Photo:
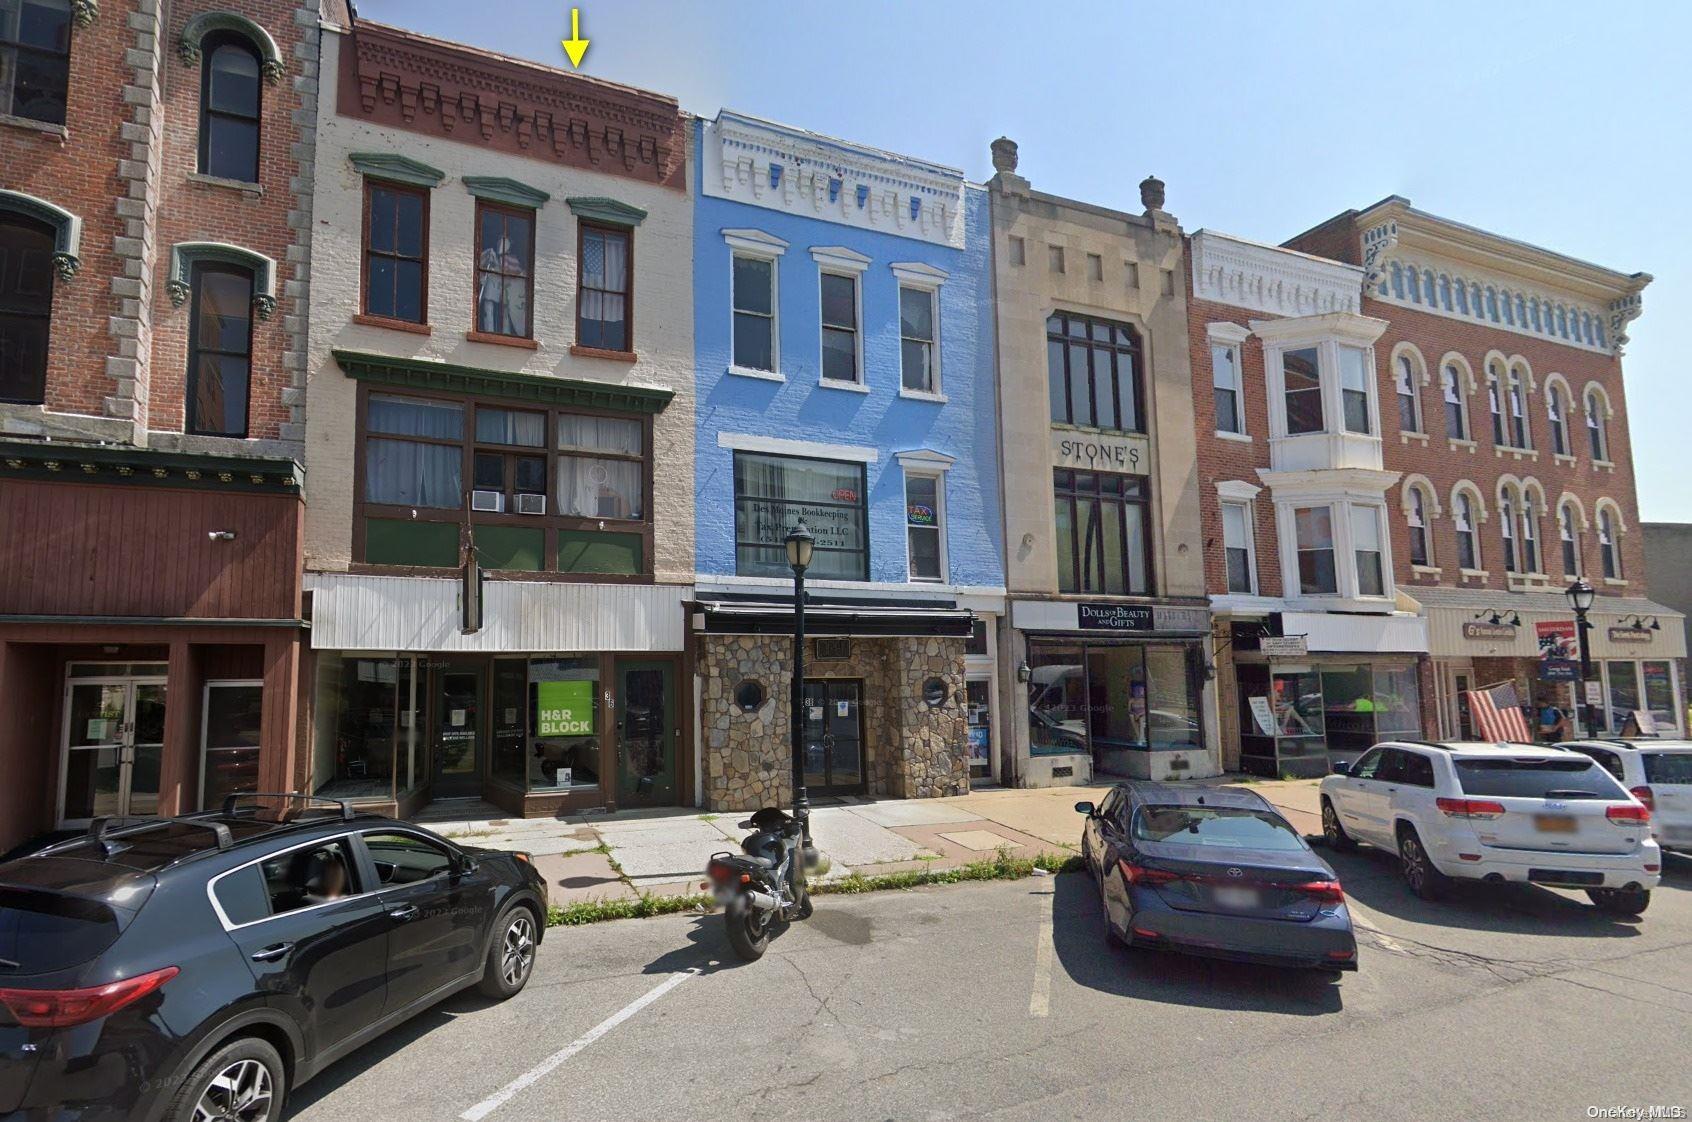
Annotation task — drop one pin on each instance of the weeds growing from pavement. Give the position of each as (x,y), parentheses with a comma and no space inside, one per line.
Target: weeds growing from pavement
(646,904)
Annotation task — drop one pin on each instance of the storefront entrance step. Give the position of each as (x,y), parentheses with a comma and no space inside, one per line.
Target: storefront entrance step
(912,812)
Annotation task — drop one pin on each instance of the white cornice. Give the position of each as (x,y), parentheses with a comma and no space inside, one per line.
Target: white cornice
(1236,490)
(925,458)
(839,257)
(1347,327)
(1281,282)
(813,176)
(918,274)
(755,241)
(1225,331)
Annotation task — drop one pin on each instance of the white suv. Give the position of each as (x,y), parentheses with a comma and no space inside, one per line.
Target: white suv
(1659,774)
(1496,812)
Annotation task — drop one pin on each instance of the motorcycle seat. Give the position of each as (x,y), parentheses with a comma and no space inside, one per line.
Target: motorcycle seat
(761,862)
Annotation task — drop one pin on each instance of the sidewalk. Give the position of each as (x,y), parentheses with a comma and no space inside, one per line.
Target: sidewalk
(664,852)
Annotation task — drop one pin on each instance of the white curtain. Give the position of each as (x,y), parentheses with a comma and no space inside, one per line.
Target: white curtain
(401,473)
(593,488)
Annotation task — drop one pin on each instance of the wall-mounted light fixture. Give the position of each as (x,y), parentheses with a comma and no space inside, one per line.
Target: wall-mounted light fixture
(221,535)
(1024,673)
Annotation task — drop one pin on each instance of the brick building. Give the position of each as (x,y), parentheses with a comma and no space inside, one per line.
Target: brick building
(154,242)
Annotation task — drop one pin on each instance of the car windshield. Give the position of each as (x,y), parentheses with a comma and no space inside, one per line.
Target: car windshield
(45,931)
(1224,826)
(1562,778)
(1668,767)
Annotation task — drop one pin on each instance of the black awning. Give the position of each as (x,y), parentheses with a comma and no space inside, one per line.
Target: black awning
(767,618)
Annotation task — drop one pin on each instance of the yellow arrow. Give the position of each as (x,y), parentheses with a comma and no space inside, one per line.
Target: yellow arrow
(575,46)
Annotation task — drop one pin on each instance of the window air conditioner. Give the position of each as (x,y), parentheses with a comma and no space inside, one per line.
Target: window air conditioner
(531,504)
(488,500)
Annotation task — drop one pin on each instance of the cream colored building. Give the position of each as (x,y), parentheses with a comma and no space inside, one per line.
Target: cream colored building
(1104,571)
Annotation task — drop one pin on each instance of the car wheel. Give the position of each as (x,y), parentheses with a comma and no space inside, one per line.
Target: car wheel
(1621,901)
(243,1080)
(511,954)
(1333,832)
(1420,875)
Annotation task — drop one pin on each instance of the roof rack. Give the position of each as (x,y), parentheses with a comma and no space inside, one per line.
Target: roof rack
(341,805)
(100,831)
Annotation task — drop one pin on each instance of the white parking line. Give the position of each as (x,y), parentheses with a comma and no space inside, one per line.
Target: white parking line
(1365,920)
(540,1071)
(1040,1001)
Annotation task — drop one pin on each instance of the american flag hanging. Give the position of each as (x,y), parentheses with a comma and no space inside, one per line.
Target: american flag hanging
(1497,713)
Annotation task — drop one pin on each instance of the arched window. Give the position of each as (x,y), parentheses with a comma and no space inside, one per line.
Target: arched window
(1521,432)
(1415,286)
(26,305)
(1463,516)
(1462,298)
(1595,434)
(1421,552)
(230,100)
(1398,280)
(1509,311)
(35,40)
(1445,292)
(1409,412)
(1530,534)
(1507,530)
(1492,304)
(1607,551)
(1456,415)
(1556,411)
(220,349)
(1571,542)
(1495,402)
(1521,312)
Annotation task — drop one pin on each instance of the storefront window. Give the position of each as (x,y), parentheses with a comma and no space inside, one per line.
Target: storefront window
(231,740)
(1348,694)
(509,724)
(1659,695)
(1057,701)
(1624,692)
(773,494)
(1172,718)
(1282,727)
(1112,701)
(1398,703)
(564,716)
(366,726)
(1116,705)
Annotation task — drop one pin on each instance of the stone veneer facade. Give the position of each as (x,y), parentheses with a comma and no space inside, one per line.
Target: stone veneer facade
(910,749)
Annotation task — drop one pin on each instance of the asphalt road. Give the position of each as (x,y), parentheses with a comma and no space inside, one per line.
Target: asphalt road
(1002,1000)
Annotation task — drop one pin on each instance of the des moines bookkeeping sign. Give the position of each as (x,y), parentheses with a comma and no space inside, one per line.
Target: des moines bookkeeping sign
(564,708)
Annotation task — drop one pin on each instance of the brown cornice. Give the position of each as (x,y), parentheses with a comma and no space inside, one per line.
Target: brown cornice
(402,80)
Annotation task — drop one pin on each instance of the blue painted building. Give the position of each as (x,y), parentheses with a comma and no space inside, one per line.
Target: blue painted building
(845,376)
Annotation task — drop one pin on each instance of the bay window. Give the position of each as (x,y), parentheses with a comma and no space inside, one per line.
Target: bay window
(1315,541)
(1302,375)
(773,494)
(1354,389)
(1337,548)
(1093,373)
(1103,533)
(1366,546)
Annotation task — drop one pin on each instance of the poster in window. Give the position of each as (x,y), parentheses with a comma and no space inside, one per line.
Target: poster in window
(1559,658)
(1261,713)
(564,708)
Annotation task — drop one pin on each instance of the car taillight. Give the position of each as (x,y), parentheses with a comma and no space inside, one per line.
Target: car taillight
(1628,814)
(1469,808)
(1327,891)
(63,1008)
(1139,874)
(1646,796)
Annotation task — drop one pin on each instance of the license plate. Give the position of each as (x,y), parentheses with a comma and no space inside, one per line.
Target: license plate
(1554,823)
(1230,897)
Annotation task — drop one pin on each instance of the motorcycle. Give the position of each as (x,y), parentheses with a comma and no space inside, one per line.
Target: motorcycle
(764,884)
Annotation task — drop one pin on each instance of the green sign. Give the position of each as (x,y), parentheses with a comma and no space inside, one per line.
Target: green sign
(564,708)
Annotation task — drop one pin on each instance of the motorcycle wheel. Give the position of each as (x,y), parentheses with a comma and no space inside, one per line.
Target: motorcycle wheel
(748,928)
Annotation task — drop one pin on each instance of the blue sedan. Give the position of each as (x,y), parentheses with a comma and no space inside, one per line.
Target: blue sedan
(1214,872)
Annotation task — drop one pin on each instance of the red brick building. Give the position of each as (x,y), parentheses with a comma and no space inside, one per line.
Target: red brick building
(155,222)
(1412,438)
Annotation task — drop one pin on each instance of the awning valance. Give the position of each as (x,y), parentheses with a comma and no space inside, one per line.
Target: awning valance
(776,618)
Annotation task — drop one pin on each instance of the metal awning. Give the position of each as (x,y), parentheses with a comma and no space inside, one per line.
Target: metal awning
(775,618)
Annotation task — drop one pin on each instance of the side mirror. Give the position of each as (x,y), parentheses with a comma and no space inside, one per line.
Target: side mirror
(462,865)
(1085,808)
(1341,768)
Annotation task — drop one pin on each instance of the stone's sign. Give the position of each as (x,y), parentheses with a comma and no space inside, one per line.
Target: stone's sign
(1089,451)
(564,708)
(1285,646)
(1114,617)
(1491,631)
(1630,634)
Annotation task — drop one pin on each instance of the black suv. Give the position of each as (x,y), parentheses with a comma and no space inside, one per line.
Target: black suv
(202,966)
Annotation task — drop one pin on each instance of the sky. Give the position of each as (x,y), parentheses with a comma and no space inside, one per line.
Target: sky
(1562,124)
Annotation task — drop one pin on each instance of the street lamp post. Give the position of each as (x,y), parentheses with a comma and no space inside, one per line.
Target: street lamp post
(1580,596)
(799,547)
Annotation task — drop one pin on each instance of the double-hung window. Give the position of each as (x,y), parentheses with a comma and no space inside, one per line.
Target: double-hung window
(1530,535)
(925,526)
(1314,529)
(1463,517)
(604,297)
(773,494)
(396,252)
(1495,401)
(509,463)
(1093,373)
(1409,416)
(1301,373)
(35,59)
(1556,409)
(1354,389)
(1366,546)
(505,285)
(841,345)
(919,346)
(1507,530)
(1571,543)
(1227,383)
(1456,415)
(230,97)
(1418,522)
(1607,545)
(754,293)
(1238,547)
(26,307)
(1596,437)
(220,350)
(1103,533)
(1518,412)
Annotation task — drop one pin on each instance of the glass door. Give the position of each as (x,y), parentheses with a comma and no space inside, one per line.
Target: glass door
(113,748)
(979,711)
(834,737)
(646,734)
(458,726)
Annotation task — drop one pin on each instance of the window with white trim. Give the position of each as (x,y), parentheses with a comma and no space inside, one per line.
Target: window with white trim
(1239,547)
(755,311)
(1366,546)
(919,339)
(1317,575)
(1495,402)
(1607,551)
(840,335)
(1596,436)
(925,514)
(1409,408)
(1571,541)
(1301,374)
(1521,432)
(1421,552)
(1463,517)
(1556,412)
(1456,406)
(1530,534)
(1225,377)
(1354,389)
(1507,530)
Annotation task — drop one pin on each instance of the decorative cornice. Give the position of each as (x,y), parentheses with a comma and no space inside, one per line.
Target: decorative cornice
(1623,311)
(401,80)
(67,228)
(762,164)
(1281,282)
(755,241)
(393,166)
(1377,240)
(839,257)
(185,255)
(919,274)
(499,189)
(194,32)
(611,211)
(541,389)
(130,465)
(1457,290)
